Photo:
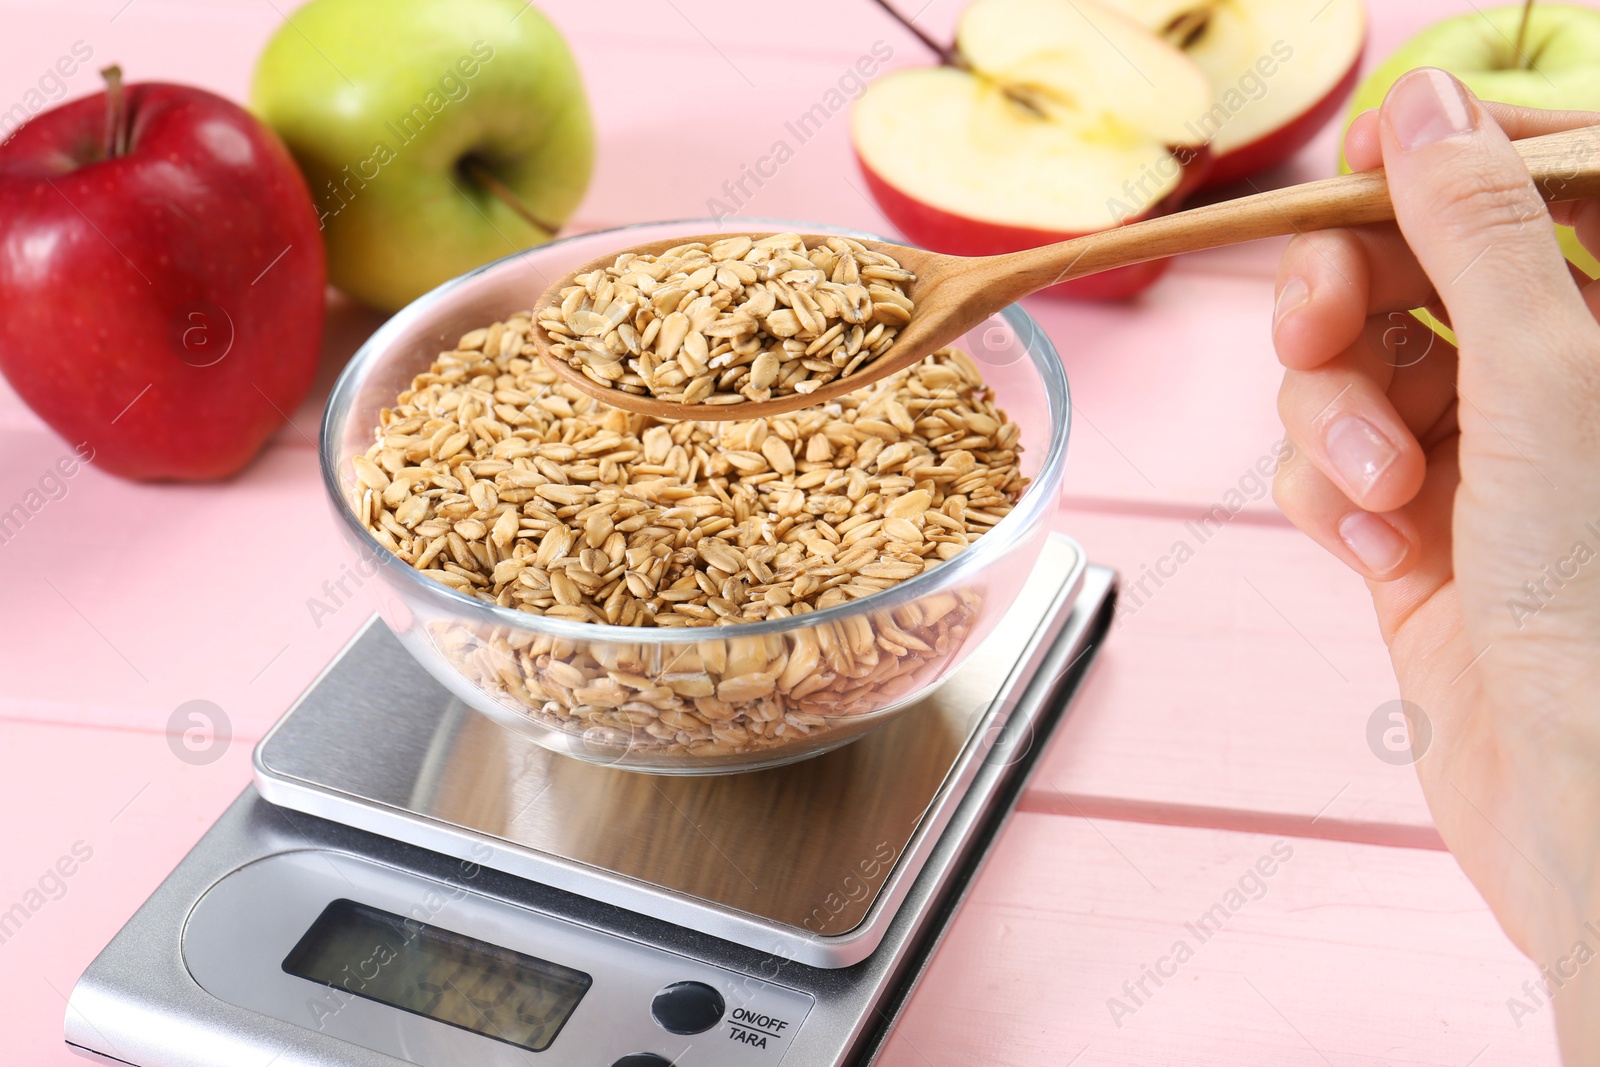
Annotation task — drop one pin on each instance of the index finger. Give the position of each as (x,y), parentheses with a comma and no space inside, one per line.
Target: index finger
(1362,152)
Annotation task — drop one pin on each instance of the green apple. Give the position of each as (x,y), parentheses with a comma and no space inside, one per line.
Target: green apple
(436,135)
(1558,67)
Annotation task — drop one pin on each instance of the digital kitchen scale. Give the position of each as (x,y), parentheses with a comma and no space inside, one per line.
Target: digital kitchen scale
(408,882)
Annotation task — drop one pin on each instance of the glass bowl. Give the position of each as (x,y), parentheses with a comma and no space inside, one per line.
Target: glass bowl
(635,697)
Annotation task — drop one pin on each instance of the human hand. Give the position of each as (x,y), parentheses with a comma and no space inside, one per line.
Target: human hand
(1465,486)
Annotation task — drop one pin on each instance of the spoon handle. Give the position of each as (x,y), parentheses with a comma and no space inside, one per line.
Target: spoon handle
(1564,166)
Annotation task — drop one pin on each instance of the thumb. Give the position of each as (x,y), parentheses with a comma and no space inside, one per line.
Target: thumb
(1468,209)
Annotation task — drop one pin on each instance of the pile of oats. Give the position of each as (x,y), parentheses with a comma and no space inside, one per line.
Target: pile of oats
(736,320)
(492,476)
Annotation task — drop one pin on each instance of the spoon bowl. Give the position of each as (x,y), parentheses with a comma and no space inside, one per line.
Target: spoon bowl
(924,264)
(952,294)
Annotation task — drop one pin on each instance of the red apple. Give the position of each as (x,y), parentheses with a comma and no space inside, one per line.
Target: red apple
(1279,71)
(162,276)
(1055,119)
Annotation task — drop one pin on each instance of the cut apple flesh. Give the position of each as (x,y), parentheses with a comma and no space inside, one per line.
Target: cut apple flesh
(959,143)
(1269,61)
(1065,119)
(1094,68)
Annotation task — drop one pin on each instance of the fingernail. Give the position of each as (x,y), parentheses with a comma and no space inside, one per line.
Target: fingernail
(1427,106)
(1360,453)
(1379,546)
(1294,294)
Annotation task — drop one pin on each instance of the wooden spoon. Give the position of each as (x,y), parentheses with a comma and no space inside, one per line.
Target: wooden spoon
(954,293)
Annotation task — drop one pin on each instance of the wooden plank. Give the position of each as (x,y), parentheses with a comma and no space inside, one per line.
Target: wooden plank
(1345,954)
(1242,683)
(1372,954)
(118,810)
(1212,704)
(1174,390)
(1205,696)
(238,592)
(1173,393)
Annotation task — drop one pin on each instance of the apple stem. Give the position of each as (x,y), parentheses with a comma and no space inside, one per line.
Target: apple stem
(947,56)
(951,57)
(116,112)
(504,193)
(1522,60)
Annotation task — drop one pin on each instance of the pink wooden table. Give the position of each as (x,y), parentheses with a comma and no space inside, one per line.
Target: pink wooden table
(1226,720)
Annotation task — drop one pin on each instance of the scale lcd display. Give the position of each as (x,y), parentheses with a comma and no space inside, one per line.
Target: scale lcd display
(489,990)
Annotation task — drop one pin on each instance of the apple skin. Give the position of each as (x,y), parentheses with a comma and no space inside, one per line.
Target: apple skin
(165,306)
(958,235)
(1281,144)
(336,83)
(1455,45)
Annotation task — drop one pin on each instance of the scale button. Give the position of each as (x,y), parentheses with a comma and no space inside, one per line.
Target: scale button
(643,1059)
(687,1008)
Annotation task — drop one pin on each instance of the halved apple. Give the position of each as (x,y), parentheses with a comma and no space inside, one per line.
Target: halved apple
(1279,71)
(1064,118)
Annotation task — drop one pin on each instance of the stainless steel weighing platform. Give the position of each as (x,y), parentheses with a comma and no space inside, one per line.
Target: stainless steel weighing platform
(408,882)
